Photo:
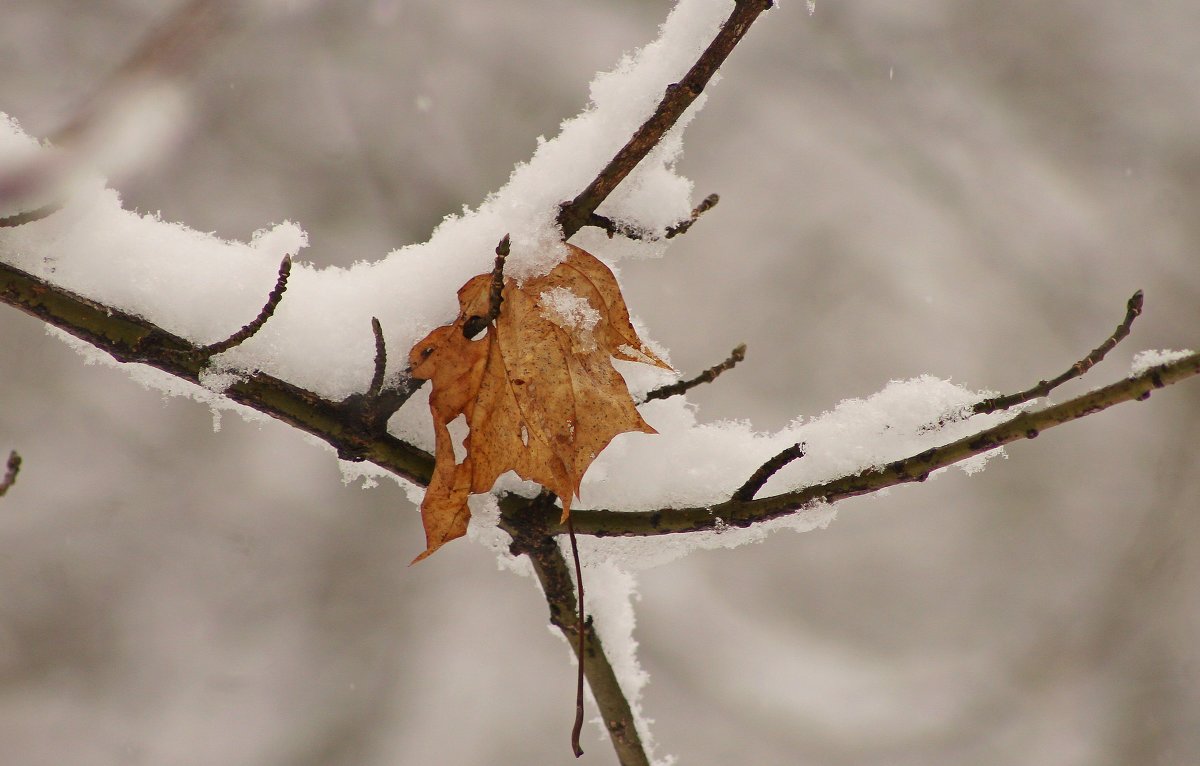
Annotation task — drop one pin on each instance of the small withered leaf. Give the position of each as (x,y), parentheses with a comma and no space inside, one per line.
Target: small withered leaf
(539,392)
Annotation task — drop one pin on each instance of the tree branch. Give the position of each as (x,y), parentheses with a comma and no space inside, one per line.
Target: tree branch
(573,215)
(526,521)
(708,376)
(254,325)
(129,338)
(743,513)
(11,469)
(1132,310)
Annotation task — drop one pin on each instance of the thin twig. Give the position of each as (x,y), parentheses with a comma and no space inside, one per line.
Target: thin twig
(579,651)
(380,358)
(706,204)
(11,469)
(573,215)
(476,324)
(916,468)
(768,469)
(496,294)
(612,227)
(1132,310)
(244,334)
(708,376)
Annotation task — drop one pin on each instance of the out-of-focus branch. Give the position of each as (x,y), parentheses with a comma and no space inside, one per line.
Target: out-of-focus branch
(11,469)
(1133,308)
(743,513)
(573,215)
(525,520)
(167,52)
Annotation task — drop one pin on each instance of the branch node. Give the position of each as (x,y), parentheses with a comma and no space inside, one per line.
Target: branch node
(268,309)
(747,491)
(708,376)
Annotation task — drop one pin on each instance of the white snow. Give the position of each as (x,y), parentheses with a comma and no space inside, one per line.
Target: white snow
(203,288)
(1144,360)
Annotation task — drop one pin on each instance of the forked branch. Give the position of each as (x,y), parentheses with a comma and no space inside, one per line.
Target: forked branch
(915,468)
(573,215)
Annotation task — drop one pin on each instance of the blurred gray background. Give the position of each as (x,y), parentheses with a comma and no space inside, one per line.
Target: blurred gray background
(966,189)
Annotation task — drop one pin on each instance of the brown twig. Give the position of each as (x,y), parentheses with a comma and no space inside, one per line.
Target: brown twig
(706,204)
(247,331)
(1133,308)
(612,227)
(573,215)
(380,358)
(577,728)
(476,324)
(11,469)
(765,471)
(708,376)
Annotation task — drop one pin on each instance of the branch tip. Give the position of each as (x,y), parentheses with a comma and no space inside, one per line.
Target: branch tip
(1133,309)
(708,376)
(768,469)
(268,309)
(380,358)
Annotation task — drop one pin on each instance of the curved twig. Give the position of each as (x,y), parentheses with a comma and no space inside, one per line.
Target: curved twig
(1133,308)
(248,330)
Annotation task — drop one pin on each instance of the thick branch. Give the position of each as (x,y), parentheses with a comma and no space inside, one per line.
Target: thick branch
(573,215)
(525,521)
(738,513)
(129,338)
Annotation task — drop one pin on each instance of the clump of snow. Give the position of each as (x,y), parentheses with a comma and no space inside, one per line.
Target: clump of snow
(573,313)
(1144,360)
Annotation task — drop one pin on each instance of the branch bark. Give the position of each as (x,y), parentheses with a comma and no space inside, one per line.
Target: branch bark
(525,521)
(574,215)
(916,468)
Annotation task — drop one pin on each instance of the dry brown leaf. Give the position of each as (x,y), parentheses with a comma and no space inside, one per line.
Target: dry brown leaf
(538,391)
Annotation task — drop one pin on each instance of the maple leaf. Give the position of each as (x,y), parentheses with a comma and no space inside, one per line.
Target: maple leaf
(538,391)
